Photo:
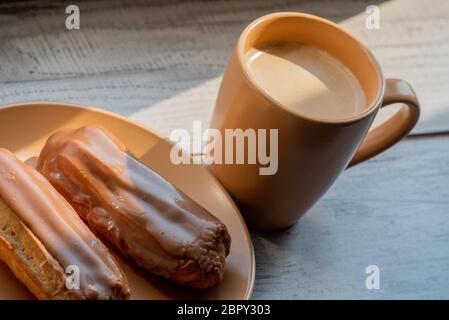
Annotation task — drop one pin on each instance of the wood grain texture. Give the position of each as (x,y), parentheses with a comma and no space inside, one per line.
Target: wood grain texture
(392,211)
(161,62)
(130,57)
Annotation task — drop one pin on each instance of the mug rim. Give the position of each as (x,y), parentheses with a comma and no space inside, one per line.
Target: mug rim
(375,105)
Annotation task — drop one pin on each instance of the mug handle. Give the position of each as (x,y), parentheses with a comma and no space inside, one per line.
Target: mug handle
(397,127)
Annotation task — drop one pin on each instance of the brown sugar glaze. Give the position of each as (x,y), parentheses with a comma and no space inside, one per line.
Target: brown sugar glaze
(150,220)
(55,223)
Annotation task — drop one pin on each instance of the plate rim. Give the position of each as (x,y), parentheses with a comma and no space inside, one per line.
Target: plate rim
(250,290)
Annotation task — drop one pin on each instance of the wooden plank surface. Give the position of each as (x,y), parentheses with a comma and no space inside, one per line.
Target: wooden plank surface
(160,62)
(392,211)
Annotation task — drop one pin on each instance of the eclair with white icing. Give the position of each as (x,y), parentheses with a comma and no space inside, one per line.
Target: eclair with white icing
(46,244)
(146,217)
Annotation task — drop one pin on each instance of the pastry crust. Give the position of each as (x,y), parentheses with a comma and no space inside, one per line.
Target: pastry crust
(41,235)
(147,218)
(28,259)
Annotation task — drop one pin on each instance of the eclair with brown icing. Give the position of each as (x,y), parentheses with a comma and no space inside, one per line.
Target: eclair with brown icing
(146,217)
(47,245)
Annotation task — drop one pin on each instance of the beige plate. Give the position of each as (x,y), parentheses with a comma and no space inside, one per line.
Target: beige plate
(24,129)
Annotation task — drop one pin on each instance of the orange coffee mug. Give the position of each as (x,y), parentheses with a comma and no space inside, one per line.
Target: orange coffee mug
(311,152)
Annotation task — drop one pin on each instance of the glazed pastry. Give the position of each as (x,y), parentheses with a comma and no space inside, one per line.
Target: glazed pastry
(147,218)
(46,244)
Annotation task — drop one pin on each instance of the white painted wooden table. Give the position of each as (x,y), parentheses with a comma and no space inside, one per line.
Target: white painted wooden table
(160,63)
